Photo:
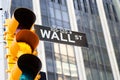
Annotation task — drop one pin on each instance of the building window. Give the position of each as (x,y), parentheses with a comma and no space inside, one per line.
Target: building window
(115,14)
(65,16)
(73,69)
(70,51)
(109,11)
(85,6)
(53,0)
(62,2)
(58,66)
(51,12)
(91,3)
(63,49)
(59,1)
(58,14)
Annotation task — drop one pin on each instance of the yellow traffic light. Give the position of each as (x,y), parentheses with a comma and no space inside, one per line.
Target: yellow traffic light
(23,44)
(21,40)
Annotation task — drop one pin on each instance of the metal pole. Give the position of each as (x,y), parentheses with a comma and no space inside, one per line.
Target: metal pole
(2,64)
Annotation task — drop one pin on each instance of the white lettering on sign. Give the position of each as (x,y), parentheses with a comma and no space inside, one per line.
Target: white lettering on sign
(62,39)
(53,35)
(78,37)
(45,33)
(70,39)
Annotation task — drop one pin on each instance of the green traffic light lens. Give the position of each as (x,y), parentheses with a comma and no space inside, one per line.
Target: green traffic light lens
(25,76)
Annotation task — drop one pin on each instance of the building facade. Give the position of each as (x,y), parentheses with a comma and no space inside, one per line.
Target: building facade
(97,19)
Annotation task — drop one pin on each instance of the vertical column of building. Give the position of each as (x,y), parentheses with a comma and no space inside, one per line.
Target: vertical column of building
(106,32)
(78,50)
(40,48)
(2,65)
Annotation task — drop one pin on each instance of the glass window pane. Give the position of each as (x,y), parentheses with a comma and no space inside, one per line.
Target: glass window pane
(70,51)
(66,25)
(105,57)
(59,23)
(95,74)
(85,53)
(91,54)
(73,70)
(58,66)
(45,20)
(72,60)
(59,77)
(51,76)
(50,4)
(58,14)
(98,55)
(64,58)
(109,76)
(65,16)
(56,48)
(103,75)
(63,8)
(65,68)
(57,6)
(50,67)
(88,74)
(51,12)
(63,2)
(63,49)
(67,77)
(52,22)
(57,57)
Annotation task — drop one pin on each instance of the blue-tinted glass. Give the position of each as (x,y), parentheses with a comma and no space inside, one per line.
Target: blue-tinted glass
(66,25)
(65,16)
(51,11)
(21,3)
(58,14)
(95,74)
(63,8)
(63,2)
(57,6)
(59,23)
(45,20)
(52,22)
(85,5)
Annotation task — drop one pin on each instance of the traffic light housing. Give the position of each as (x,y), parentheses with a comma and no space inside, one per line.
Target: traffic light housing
(25,45)
(21,19)
(21,41)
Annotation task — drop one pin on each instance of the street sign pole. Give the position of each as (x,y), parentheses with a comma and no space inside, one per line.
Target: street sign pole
(2,67)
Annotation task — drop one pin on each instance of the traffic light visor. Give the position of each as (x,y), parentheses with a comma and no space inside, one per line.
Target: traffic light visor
(25,17)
